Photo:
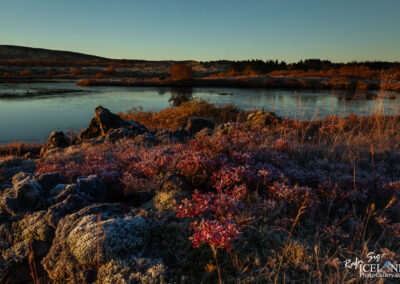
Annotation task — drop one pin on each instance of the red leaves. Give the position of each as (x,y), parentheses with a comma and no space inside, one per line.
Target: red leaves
(222,207)
(215,233)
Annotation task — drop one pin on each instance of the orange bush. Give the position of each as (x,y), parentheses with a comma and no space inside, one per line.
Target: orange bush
(110,68)
(85,82)
(25,73)
(75,71)
(180,71)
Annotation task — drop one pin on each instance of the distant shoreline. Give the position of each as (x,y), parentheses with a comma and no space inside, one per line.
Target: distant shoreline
(264,82)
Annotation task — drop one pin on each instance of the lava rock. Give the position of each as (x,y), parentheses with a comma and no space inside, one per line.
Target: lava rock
(25,195)
(70,205)
(49,180)
(196,124)
(123,236)
(105,120)
(118,134)
(91,188)
(57,139)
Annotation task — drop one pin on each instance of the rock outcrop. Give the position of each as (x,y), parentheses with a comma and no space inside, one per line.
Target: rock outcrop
(108,235)
(30,210)
(56,140)
(23,197)
(73,236)
(111,126)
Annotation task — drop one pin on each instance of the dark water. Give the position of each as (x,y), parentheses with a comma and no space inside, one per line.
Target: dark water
(30,112)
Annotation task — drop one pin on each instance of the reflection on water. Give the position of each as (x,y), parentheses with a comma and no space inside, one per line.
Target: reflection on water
(180,95)
(34,117)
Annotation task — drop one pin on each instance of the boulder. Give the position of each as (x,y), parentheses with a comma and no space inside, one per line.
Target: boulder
(105,120)
(196,124)
(25,195)
(146,139)
(71,204)
(60,192)
(92,131)
(57,139)
(96,235)
(180,135)
(91,188)
(108,120)
(14,165)
(118,134)
(49,180)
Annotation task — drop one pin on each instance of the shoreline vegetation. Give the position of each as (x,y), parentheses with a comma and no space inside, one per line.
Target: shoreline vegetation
(201,192)
(307,74)
(262,82)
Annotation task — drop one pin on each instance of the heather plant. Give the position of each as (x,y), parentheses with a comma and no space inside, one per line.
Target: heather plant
(219,230)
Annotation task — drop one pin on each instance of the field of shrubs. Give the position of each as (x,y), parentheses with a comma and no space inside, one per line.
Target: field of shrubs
(234,197)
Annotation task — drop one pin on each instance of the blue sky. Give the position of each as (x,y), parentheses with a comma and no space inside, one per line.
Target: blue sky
(338,30)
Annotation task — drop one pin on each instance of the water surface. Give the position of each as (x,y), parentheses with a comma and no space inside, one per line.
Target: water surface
(30,112)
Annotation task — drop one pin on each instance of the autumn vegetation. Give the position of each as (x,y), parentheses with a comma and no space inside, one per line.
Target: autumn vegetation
(186,71)
(284,201)
(174,117)
(181,72)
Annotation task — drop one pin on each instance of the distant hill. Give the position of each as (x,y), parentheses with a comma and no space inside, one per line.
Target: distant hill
(22,52)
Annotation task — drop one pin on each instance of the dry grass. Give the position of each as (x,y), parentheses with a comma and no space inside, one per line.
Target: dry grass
(174,117)
(19,149)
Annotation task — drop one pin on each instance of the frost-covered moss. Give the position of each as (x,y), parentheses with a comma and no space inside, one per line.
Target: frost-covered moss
(165,199)
(35,227)
(118,238)
(137,270)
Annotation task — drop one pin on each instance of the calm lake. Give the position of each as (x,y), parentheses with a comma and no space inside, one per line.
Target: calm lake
(30,112)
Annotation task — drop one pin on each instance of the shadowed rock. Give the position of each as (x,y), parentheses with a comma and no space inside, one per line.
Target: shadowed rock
(105,121)
(57,139)
(196,124)
(119,133)
(23,197)
(91,188)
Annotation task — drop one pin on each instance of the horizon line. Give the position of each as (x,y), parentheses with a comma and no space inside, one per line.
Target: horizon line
(208,60)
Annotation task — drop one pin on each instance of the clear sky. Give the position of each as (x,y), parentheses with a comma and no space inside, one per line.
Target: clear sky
(338,30)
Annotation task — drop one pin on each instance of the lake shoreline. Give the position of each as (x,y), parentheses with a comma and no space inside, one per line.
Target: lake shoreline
(250,82)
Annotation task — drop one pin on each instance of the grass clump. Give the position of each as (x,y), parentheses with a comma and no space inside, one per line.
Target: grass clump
(174,117)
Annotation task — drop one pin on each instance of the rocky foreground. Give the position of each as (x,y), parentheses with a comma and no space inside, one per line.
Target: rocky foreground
(120,203)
